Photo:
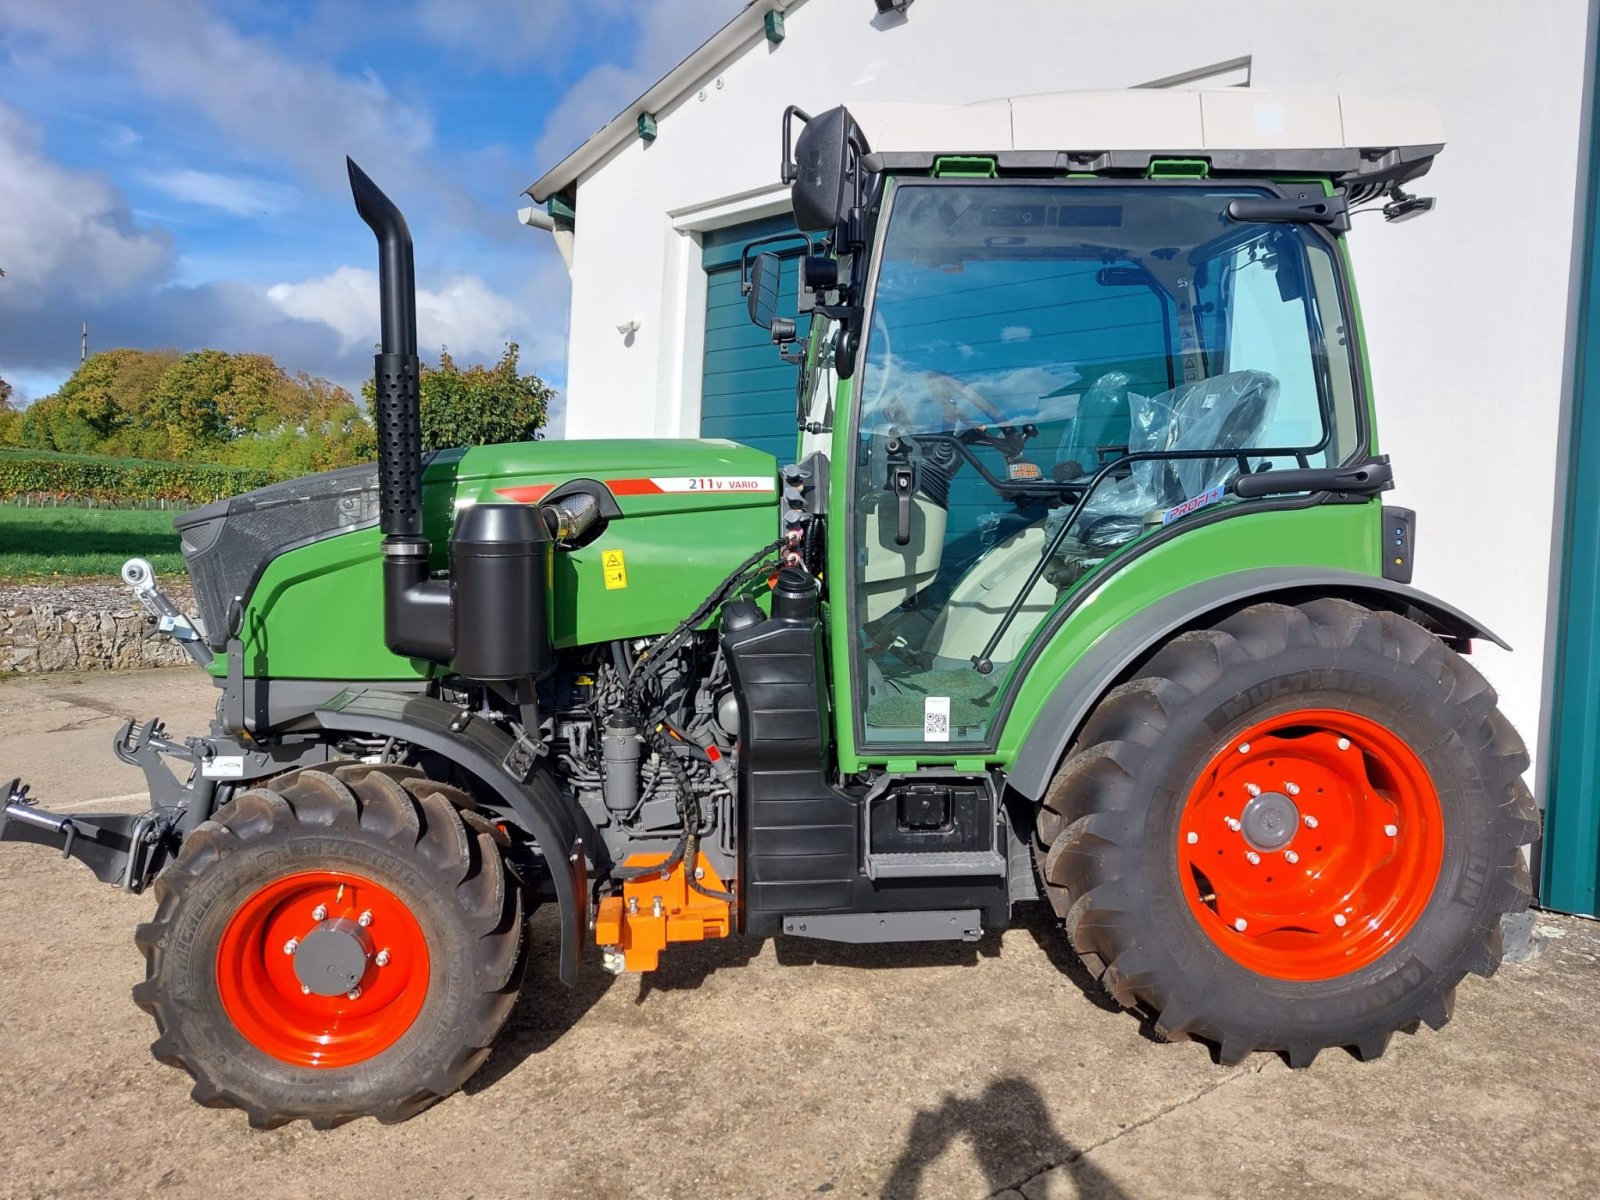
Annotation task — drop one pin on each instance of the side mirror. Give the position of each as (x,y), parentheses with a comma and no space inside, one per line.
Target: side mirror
(761,291)
(826,161)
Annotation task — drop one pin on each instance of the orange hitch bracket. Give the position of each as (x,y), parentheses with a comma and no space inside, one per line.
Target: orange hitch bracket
(658,908)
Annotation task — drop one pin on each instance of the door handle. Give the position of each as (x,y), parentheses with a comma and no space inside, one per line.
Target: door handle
(902,482)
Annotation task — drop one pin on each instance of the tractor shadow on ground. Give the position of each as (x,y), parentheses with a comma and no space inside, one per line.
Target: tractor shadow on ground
(546,1009)
(1009,1130)
(1045,928)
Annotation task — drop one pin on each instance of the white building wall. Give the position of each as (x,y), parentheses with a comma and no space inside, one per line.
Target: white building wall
(1465,309)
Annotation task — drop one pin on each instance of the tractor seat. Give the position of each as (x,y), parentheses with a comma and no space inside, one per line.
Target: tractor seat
(1226,412)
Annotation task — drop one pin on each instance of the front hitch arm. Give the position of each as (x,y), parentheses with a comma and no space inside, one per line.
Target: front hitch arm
(117,847)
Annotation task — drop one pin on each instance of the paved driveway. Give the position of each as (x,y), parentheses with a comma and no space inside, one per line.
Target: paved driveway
(777,1068)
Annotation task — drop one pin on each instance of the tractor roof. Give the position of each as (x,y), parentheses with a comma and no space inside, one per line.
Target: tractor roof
(1352,139)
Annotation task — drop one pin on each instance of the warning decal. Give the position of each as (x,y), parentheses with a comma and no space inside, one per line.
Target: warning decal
(614,569)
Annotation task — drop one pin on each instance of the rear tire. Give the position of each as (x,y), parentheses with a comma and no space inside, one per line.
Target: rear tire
(1287,935)
(432,942)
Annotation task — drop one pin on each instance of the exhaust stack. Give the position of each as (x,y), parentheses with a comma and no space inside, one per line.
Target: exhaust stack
(416,610)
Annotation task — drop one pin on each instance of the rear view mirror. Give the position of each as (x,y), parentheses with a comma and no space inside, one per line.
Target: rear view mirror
(761,290)
(826,162)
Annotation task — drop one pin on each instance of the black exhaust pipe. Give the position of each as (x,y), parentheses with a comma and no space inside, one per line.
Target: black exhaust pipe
(416,610)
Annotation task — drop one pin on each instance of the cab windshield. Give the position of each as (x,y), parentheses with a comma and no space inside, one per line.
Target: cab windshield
(1100,357)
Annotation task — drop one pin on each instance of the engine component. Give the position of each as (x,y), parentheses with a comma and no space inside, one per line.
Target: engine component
(660,907)
(728,714)
(499,556)
(569,518)
(619,747)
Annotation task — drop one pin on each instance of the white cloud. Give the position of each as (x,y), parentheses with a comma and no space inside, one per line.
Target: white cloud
(230,194)
(65,230)
(465,314)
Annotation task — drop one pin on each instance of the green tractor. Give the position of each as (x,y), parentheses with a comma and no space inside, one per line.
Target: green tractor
(1080,588)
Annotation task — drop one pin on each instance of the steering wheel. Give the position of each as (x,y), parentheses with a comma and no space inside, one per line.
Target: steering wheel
(956,397)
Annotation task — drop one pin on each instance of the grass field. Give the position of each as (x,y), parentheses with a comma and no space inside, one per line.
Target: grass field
(39,544)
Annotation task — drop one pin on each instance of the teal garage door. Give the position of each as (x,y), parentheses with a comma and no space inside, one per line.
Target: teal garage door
(1571,850)
(747,391)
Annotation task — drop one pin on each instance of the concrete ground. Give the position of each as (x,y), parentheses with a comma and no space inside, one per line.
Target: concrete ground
(783,1068)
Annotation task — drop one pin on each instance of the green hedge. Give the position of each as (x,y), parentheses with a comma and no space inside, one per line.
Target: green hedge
(112,482)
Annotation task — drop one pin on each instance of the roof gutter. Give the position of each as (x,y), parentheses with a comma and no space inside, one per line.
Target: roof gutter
(745,28)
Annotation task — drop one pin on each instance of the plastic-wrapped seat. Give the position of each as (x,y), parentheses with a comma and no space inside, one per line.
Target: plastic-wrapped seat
(1227,412)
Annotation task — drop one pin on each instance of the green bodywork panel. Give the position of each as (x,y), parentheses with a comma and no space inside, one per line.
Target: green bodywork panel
(317,612)
(1345,536)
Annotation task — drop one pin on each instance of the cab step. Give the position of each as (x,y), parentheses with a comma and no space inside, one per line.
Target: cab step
(935,864)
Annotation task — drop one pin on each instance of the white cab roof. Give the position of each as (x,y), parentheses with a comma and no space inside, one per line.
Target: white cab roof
(1136,119)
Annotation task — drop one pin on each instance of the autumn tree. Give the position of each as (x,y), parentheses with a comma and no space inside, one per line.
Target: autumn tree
(479,406)
(204,406)
(10,418)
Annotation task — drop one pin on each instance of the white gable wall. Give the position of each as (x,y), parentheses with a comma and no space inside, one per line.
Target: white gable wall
(1465,308)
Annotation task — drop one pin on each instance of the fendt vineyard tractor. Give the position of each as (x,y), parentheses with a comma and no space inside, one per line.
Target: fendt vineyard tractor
(1081,587)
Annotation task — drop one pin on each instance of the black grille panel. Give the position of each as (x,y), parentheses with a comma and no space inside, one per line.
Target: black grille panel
(226,545)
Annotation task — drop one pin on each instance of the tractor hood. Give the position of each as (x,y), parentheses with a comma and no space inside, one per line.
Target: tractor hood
(678,515)
(643,476)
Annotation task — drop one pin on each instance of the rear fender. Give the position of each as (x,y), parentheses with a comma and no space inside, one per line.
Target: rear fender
(512,785)
(1109,659)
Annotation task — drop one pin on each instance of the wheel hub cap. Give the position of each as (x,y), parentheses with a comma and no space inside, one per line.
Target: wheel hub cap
(333,957)
(1269,821)
(1310,844)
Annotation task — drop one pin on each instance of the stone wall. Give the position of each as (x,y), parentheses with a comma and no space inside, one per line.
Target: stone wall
(81,629)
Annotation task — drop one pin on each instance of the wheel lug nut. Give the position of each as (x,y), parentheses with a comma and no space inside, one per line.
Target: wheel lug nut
(1311,822)
(1233,823)
(353,994)
(382,958)
(1244,747)
(1344,743)
(1292,788)
(1192,838)
(319,913)
(1253,788)
(1253,858)
(1289,856)
(305,989)
(1339,920)
(291,946)
(364,919)
(1240,924)
(1391,830)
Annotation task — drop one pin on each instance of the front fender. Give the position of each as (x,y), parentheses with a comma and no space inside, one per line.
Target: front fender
(483,751)
(1108,659)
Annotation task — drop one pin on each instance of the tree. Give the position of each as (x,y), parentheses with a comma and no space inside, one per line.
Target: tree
(204,406)
(480,406)
(10,418)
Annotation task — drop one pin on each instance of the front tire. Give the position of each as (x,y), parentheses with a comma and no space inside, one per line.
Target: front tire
(336,942)
(1295,830)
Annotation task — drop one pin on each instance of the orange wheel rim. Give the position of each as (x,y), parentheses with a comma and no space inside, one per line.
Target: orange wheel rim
(1310,844)
(322,969)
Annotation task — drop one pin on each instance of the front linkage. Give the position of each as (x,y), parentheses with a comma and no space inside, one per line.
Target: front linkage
(130,849)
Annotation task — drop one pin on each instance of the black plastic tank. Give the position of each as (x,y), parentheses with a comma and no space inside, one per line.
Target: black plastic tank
(499,579)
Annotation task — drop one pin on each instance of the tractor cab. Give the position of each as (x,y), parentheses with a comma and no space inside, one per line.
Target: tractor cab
(1036,362)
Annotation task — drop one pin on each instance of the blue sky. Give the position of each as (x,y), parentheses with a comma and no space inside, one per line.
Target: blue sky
(172,171)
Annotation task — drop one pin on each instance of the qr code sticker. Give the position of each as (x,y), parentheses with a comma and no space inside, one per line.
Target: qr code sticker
(936,719)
